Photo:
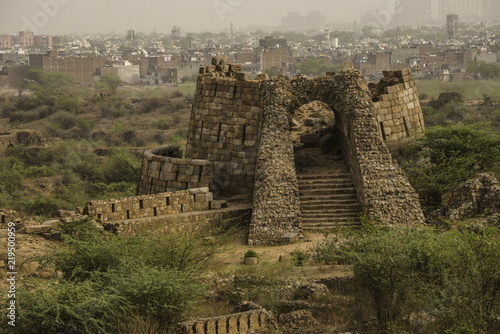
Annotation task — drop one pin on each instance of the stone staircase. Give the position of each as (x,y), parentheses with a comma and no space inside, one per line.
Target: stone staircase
(328,196)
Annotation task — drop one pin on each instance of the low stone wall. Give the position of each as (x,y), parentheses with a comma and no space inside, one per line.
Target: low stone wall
(144,206)
(21,137)
(256,321)
(479,196)
(7,216)
(398,109)
(179,222)
(164,170)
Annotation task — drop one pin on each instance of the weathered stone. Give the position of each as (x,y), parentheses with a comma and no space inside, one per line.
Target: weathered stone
(38,229)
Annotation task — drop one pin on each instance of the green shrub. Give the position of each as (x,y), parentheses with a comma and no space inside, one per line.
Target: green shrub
(448,156)
(300,258)
(250,253)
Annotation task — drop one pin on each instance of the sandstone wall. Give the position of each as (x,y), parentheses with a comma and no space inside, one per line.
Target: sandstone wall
(239,323)
(20,137)
(224,126)
(7,216)
(398,109)
(178,222)
(164,170)
(145,206)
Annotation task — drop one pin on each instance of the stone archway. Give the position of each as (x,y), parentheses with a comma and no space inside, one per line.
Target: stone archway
(382,189)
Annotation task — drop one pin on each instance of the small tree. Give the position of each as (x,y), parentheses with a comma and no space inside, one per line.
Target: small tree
(109,82)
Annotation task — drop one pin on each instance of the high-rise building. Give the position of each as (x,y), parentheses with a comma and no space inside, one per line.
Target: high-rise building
(413,12)
(467,10)
(452,26)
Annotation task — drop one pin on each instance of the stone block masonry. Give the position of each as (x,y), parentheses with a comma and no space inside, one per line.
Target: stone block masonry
(256,321)
(7,216)
(241,129)
(164,170)
(145,206)
(225,124)
(398,110)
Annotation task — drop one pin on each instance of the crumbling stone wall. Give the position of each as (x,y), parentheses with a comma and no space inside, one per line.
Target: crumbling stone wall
(7,216)
(276,202)
(224,125)
(164,170)
(150,205)
(243,128)
(382,189)
(398,109)
(479,196)
(255,321)
(174,223)
(20,137)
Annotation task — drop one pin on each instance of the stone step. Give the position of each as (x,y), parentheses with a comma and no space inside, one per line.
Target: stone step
(327,202)
(309,215)
(328,226)
(333,176)
(328,197)
(327,191)
(329,210)
(327,184)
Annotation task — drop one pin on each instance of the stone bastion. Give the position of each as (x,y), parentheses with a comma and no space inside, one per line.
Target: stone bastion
(240,143)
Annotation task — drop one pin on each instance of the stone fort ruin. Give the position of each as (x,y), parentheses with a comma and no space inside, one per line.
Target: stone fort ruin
(308,152)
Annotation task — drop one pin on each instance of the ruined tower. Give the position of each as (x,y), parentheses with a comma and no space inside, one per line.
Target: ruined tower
(240,142)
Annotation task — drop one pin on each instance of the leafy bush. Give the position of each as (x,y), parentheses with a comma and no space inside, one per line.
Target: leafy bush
(300,258)
(454,275)
(448,156)
(250,253)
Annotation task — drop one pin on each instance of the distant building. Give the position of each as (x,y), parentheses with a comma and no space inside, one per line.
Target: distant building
(413,12)
(176,33)
(45,41)
(295,21)
(26,39)
(467,10)
(273,52)
(6,41)
(83,69)
(452,26)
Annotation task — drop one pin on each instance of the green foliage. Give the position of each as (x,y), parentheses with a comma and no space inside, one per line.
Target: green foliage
(48,80)
(68,103)
(300,258)
(273,71)
(189,78)
(106,279)
(487,71)
(109,83)
(250,253)
(317,66)
(453,275)
(448,156)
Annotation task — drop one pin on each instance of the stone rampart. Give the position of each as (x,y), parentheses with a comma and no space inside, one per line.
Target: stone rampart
(164,170)
(224,126)
(179,222)
(256,321)
(382,189)
(398,109)
(146,206)
(20,137)
(7,216)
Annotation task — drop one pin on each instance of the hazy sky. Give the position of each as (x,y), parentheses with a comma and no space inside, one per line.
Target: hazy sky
(92,16)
